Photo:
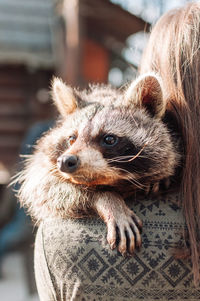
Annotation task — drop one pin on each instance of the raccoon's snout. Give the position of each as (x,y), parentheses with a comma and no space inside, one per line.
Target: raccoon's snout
(68,163)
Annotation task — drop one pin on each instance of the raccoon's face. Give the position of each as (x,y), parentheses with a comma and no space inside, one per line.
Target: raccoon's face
(120,142)
(117,145)
(81,159)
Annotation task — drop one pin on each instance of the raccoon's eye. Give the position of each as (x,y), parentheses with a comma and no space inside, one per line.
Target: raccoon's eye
(109,140)
(72,139)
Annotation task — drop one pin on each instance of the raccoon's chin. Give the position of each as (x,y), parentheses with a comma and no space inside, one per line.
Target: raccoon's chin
(91,182)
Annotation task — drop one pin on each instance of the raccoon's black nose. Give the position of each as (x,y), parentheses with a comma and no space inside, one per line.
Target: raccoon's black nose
(68,163)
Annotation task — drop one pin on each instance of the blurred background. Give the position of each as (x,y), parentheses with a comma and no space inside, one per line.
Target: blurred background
(80,41)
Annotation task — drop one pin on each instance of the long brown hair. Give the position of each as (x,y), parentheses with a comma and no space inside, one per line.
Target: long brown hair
(173,51)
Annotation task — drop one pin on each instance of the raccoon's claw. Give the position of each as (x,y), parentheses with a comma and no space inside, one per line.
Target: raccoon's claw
(136,220)
(112,235)
(156,187)
(125,233)
(147,189)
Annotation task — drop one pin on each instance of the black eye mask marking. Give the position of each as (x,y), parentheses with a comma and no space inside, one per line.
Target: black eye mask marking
(124,154)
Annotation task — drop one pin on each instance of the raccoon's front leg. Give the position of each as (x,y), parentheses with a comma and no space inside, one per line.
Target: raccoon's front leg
(119,220)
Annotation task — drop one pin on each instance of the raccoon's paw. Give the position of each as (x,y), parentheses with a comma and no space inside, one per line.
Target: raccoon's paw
(123,225)
(125,233)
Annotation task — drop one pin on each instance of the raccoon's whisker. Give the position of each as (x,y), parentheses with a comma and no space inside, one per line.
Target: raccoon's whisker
(137,155)
(118,159)
(136,183)
(121,158)
(132,180)
(129,177)
(128,157)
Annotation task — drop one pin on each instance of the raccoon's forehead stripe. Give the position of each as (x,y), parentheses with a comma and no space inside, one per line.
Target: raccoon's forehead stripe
(95,129)
(92,109)
(87,128)
(100,119)
(113,121)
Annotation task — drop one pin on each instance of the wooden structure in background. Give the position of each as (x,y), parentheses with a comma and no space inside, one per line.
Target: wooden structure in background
(35,43)
(27,62)
(19,107)
(95,31)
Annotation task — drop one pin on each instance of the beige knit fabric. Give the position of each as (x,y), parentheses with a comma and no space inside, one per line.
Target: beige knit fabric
(74,262)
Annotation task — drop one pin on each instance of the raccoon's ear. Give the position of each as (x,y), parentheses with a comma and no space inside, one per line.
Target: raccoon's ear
(147,92)
(63,97)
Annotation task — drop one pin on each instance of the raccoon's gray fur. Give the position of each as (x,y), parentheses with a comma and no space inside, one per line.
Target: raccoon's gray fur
(106,143)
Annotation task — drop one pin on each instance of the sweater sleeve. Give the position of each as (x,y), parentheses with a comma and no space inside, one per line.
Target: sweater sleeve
(44,280)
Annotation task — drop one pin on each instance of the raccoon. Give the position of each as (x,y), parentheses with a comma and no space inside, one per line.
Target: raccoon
(107,143)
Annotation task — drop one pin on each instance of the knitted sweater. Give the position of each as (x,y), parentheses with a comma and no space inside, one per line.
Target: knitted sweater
(74,262)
